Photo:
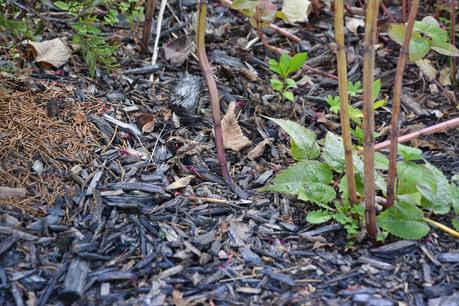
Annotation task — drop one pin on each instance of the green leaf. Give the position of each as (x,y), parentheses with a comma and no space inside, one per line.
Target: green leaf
(404,220)
(62,5)
(376,89)
(441,201)
(446,49)
(318,216)
(431,29)
(454,222)
(381,161)
(290,83)
(358,134)
(334,103)
(379,104)
(277,85)
(409,153)
(419,46)
(354,89)
(355,114)
(292,179)
(454,190)
(274,66)
(296,62)
(288,95)
(410,176)
(302,140)
(317,193)
(412,199)
(246,7)
(333,154)
(284,63)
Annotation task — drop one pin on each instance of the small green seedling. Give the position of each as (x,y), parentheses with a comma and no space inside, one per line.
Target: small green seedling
(355,114)
(283,68)
(427,35)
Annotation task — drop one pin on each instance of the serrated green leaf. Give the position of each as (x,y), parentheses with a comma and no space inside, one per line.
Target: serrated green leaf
(409,153)
(410,175)
(441,201)
(302,140)
(419,46)
(438,35)
(454,191)
(288,95)
(381,161)
(334,103)
(354,89)
(403,220)
(317,193)
(318,216)
(292,179)
(333,154)
(296,62)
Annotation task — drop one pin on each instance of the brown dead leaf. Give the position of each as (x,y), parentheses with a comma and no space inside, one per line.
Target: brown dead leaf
(146,122)
(79,117)
(232,134)
(328,124)
(53,52)
(177,51)
(7,193)
(177,298)
(259,149)
(180,183)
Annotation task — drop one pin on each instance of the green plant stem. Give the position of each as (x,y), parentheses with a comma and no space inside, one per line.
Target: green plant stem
(391,178)
(343,97)
(150,8)
(214,99)
(368,117)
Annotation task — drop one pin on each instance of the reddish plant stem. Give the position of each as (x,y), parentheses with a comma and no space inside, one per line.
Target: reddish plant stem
(425,131)
(343,97)
(214,99)
(368,117)
(150,9)
(404,11)
(391,177)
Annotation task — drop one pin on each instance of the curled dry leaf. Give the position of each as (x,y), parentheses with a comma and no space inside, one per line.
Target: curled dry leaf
(445,76)
(296,10)
(353,24)
(259,149)
(7,193)
(232,134)
(146,122)
(180,183)
(52,52)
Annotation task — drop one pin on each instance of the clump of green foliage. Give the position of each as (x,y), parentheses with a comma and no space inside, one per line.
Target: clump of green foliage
(283,68)
(93,45)
(355,114)
(16,28)
(427,35)
(422,188)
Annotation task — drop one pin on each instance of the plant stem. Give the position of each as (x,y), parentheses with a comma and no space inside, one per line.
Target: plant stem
(443,227)
(391,177)
(423,132)
(343,97)
(214,99)
(403,11)
(147,25)
(368,117)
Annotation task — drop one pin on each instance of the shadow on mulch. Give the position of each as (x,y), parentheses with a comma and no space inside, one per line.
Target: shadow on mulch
(39,145)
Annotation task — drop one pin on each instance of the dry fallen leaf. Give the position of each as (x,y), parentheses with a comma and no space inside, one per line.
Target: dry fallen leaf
(180,183)
(353,24)
(232,134)
(296,10)
(53,52)
(7,193)
(177,51)
(79,117)
(259,149)
(426,67)
(146,122)
(445,76)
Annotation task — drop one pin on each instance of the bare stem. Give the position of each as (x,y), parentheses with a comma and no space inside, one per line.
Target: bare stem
(214,99)
(368,117)
(423,132)
(147,25)
(343,97)
(391,178)
(212,87)
(453,40)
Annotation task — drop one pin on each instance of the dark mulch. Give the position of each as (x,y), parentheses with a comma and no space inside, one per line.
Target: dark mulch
(120,233)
